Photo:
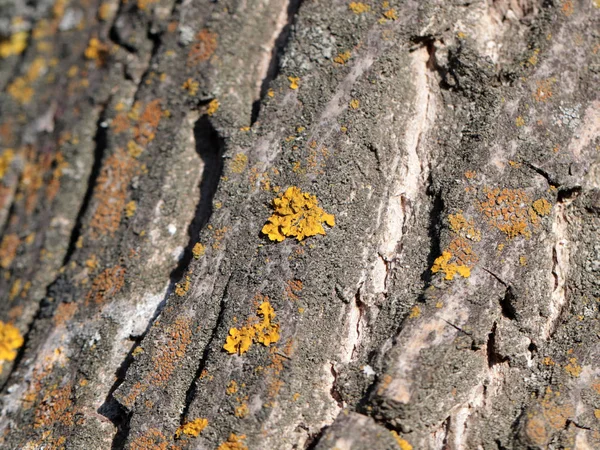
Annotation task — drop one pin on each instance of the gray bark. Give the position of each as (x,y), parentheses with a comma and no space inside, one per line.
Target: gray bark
(454,304)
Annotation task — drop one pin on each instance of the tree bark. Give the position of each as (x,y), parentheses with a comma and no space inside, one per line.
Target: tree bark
(452,305)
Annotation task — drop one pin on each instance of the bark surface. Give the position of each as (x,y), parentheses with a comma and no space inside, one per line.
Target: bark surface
(453,305)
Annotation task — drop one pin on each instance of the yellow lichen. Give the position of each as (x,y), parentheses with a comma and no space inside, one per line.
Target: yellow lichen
(14,45)
(342,58)
(294,82)
(213,106)
(358,7)
(5,161)
(182,287)
(403,443)
(264,332)
(130,208)
(191,86)
(542,206)
(298,215)
(520,121)
(20,90)
(414,312)
(96,51)
(232,387)
(10,341)
(443,264)
(241,411)
(573,368)
(198,250)
(466,228)
(239,163)
(192,428)
(234,442)
(354,104)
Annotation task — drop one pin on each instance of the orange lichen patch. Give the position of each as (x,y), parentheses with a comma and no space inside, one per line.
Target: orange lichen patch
(148,123)
(238,163)
(130,208)
(233,442)
(14,45)
(8,249)
(120,123)
(203,47)
(96,51)
(178,337)
(152,439)
(183,287)
(402,443)
(354,104)
(470,174)
(567,7)
(263,331)
(105,285)
(198,250)
(191,86)
(358,7)
(342,58)
(519,121)
(10,341)
(543,90)
(573,368)
(466,228)
(523,260)
(111,192)
(232,388)
(443,264)
(219,236)
(292,289)
(548,361)
(414,312)
(64,313)
(213,107)
(192,428)
(391,14)
(535,429)
(294,82)
(298,215)
(542,206)
(56,407)
(509,210)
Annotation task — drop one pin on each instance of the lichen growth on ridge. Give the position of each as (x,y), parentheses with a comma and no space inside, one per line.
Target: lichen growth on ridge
(298,215)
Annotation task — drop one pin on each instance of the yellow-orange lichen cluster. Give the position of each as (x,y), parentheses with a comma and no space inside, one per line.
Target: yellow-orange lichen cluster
(264,331)
(233,442)
(457,259)
(511,211)
(192,428)
(298,215)
(10,342)
(464,227)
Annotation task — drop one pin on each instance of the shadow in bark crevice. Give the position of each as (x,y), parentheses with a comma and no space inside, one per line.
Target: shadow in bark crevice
(209,146)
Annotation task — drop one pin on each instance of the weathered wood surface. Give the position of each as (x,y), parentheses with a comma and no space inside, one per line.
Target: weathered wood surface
(456,136)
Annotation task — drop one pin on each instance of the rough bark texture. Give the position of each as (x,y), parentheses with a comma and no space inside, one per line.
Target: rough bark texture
(458,136)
